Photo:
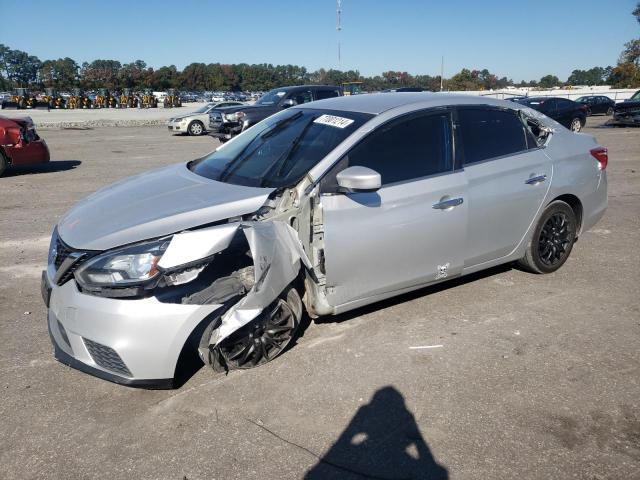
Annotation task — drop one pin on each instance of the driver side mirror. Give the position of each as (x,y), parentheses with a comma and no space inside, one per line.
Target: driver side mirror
(289,102)
(358,179)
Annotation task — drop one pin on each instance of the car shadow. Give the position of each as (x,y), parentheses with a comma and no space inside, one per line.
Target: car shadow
(50,167)
(382,441)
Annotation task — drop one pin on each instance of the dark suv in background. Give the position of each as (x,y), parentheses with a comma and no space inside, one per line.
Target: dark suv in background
(226,123)
(566,112)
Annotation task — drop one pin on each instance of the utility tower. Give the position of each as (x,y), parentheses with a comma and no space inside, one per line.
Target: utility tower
(339,29)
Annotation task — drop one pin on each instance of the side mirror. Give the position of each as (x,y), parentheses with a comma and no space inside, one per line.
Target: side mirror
(289,102)
(358,179)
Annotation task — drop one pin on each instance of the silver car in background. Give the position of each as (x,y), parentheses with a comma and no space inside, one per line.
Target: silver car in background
(323,208)
(197,122)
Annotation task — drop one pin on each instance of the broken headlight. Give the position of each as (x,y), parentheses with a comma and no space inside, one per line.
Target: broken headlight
(129,266)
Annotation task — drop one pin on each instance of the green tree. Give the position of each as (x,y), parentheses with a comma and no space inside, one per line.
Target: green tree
(100,74)
(549,81)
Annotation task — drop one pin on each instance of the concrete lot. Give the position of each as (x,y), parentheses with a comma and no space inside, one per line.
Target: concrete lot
(538,377)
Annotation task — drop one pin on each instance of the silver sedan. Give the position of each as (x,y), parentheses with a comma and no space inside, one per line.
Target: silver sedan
(197,122)
(321,208)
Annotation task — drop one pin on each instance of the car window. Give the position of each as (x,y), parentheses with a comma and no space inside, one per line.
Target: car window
(490,133)
(406,149)
(300,97)
(322,94)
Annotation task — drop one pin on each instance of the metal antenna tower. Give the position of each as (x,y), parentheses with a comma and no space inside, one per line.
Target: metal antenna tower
(339,29)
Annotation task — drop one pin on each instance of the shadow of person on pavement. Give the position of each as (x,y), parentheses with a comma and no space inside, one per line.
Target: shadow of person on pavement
(382,441)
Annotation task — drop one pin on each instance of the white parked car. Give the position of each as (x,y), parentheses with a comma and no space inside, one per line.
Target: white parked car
(197,122)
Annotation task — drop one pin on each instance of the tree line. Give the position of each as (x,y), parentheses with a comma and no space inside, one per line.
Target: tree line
(20,69)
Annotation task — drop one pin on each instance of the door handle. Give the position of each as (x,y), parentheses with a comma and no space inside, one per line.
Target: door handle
(536,180)
(447,204)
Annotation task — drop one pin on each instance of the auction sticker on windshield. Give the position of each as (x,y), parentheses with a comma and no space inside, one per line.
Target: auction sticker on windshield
(333,121)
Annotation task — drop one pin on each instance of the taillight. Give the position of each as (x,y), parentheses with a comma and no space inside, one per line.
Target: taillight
(601,154)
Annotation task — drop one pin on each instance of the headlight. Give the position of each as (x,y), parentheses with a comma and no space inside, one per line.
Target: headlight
(234,117)
(128,266)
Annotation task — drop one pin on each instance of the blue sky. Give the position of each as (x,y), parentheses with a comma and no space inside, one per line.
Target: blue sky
(521,39)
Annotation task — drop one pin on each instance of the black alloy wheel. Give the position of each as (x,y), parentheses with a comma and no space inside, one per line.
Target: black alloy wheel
(552,240)
(263,339)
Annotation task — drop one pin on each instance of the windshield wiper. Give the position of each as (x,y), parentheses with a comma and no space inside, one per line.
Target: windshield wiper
(284,159)
(279,125)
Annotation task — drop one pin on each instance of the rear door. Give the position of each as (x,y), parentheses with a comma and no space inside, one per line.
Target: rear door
(405,234)
(507,175)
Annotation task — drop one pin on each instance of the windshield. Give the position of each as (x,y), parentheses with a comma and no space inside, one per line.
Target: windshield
(636,96)
(280,150)
(272,97)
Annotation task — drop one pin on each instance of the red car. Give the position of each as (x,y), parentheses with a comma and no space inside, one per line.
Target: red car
(20,144)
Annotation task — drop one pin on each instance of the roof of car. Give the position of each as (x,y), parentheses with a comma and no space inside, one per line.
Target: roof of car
(376,103)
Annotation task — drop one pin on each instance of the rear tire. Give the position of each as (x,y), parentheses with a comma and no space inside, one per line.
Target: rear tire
(576,125)
(552,239)
(609,111)
(195,128)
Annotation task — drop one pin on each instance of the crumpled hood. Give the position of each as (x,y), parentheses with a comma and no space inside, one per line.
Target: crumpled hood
(154,204)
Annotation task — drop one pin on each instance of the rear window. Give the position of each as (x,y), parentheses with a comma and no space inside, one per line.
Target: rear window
(490,133)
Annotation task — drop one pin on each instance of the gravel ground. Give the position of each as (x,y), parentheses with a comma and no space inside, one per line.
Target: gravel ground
(537,377)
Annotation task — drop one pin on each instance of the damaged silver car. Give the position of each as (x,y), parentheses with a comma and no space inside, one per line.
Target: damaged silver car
(320,208)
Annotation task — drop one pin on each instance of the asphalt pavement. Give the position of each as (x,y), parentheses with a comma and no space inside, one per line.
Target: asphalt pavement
(500,375)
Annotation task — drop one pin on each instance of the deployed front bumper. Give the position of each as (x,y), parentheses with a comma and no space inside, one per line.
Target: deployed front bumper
(131,342)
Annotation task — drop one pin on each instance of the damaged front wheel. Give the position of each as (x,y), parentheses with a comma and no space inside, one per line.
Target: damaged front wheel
(263,339)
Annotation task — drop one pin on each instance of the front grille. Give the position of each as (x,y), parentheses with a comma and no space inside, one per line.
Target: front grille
(106,357)
(62,252)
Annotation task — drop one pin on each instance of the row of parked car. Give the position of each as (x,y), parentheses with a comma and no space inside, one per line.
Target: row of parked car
(226,118)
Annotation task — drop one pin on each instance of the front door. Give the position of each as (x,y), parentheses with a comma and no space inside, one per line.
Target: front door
(412,230)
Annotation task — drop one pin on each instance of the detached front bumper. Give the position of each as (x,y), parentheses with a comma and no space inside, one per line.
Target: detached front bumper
(629,118)
(131,342)
(224,130)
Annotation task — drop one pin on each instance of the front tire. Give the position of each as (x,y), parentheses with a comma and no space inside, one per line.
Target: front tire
(262,339)
(195,128)
(576,125)
(552,240)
